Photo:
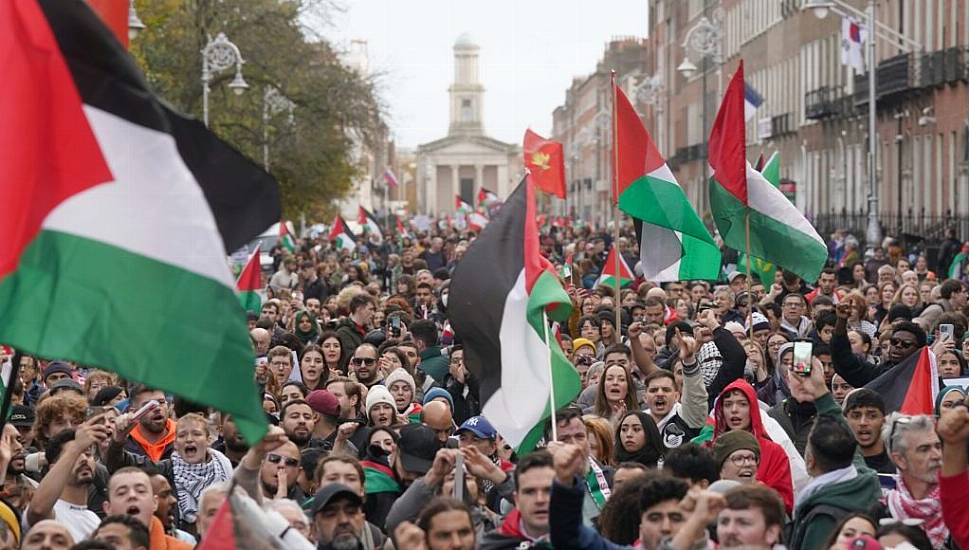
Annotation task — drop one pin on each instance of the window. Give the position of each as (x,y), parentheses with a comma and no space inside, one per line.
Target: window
(466,115)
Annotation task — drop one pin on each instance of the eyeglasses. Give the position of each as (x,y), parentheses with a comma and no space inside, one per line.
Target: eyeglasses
(898,343)
(363,361)
(738,460)
(276,459)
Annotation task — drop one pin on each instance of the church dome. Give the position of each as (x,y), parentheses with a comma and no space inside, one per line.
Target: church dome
(465,41)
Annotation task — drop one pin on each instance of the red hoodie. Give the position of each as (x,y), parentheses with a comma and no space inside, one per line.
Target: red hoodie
(774,469)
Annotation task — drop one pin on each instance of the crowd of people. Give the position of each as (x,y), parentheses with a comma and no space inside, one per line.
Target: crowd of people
(698,425)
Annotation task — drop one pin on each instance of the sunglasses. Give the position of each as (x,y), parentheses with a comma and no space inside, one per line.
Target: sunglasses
(363,361)
(891,434)
(898,343)
(276,459)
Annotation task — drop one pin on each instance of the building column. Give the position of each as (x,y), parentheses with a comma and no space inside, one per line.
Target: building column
(429,196)
(478,177)
(502,181)
(455,184)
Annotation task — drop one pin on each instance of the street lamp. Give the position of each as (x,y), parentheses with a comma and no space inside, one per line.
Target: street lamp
(687,68)
(273,103)
(705,40)
(135,25)
(218,55)
(820,8)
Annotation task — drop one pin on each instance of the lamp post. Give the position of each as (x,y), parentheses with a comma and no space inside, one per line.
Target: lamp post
(821,8)
(704,40)
(135,25)
(273,103)
(218,55)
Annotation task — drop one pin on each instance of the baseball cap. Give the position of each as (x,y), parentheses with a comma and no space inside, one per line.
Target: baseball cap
(479,426)
(734,274)
(21,415)
(324,402)
(417,446)
(334,490)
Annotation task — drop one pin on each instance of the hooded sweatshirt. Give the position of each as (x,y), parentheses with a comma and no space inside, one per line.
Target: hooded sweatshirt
(510,536)
(774,469)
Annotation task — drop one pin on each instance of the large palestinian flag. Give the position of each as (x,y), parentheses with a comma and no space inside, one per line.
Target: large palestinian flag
(674,243)
(117,215)
(499,292)
(341,236)
(779,233)
(911,386)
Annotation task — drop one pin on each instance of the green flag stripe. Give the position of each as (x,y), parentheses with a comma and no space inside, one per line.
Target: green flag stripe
(663,203)
(376,481)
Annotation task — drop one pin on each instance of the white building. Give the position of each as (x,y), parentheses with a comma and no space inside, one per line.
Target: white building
(467,159)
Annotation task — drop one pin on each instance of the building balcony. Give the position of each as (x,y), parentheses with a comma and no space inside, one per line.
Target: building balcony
(823,102)
(943,67)
(896,76)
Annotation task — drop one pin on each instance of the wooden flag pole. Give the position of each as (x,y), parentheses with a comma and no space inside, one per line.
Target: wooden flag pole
(551,378)
(615,212)
(750,275)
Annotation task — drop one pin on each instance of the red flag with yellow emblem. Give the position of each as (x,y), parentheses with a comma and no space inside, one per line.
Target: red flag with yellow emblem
(545,163)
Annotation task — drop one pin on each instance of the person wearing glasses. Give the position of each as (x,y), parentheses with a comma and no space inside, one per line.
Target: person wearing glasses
(907,338)
(738,455)
(363,366)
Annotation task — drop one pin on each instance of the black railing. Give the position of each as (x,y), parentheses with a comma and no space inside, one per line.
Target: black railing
(910,226)
(896,75)
(781,124)
(822,102)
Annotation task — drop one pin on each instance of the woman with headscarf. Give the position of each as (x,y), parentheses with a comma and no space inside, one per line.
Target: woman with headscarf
(637,439)
(949,398)
(776,390)
(305,327)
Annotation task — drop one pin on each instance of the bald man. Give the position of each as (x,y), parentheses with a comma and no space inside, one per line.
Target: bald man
(48,534)
(436,415)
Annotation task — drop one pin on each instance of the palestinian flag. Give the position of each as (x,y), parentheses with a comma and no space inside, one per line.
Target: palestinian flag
(402,231)
(486,198)
(608,275)
(118,213)
(565,272)
(763,269)
(250,283)
(545,163)
(461,206)
(779,233)
(499,292)
(674,243)
(369,223)
(286,238)
(476,221)
(341,235)
(911,386)
(378,478)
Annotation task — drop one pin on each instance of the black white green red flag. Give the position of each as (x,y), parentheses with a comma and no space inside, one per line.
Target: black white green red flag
(498,294)
(118,213)
(369,223)
(286,238)
(250,283)
(341,235)
(609,273)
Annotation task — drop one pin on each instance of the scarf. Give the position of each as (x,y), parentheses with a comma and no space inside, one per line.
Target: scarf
(310,335)
(191,479)
(929,509)
(825,479)
(710,361)
(598,486)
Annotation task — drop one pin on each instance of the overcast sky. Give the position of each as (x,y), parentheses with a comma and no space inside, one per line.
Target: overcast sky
(530,50)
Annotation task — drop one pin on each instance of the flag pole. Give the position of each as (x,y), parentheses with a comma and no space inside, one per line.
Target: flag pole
(615,210)
(551,378)
(750,275)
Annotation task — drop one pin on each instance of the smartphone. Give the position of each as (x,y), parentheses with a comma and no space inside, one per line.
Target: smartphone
(94,411)
(947,329)
(802,358)
(395,326)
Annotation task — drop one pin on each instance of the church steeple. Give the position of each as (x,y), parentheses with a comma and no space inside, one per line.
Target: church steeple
(466,92)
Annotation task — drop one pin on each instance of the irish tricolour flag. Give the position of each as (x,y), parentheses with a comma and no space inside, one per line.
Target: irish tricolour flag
(117,215)
(779,233)
(499,292)
(674,243)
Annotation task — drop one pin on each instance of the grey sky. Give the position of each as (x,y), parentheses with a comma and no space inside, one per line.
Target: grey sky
(530,50)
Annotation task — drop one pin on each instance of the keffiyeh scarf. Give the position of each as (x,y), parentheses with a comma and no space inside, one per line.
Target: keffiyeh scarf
(903,505)
(191,479)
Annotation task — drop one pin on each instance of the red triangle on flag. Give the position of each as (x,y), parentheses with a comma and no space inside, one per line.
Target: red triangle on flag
(221,534)
(251,276)
(609,268)
(924,386)
(727,148)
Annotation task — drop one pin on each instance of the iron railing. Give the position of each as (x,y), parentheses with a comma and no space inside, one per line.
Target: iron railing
(910,226)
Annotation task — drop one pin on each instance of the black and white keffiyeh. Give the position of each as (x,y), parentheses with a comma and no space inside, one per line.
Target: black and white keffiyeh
(191,479)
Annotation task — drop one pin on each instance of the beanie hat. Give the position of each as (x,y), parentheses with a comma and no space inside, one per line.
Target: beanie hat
(733,327)
(580,342)
(732,441)
(760,322)
(58,366)
(379,394)
(401,375)
(434,393)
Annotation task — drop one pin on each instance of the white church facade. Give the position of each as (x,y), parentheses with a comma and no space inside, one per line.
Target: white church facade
(466,159)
